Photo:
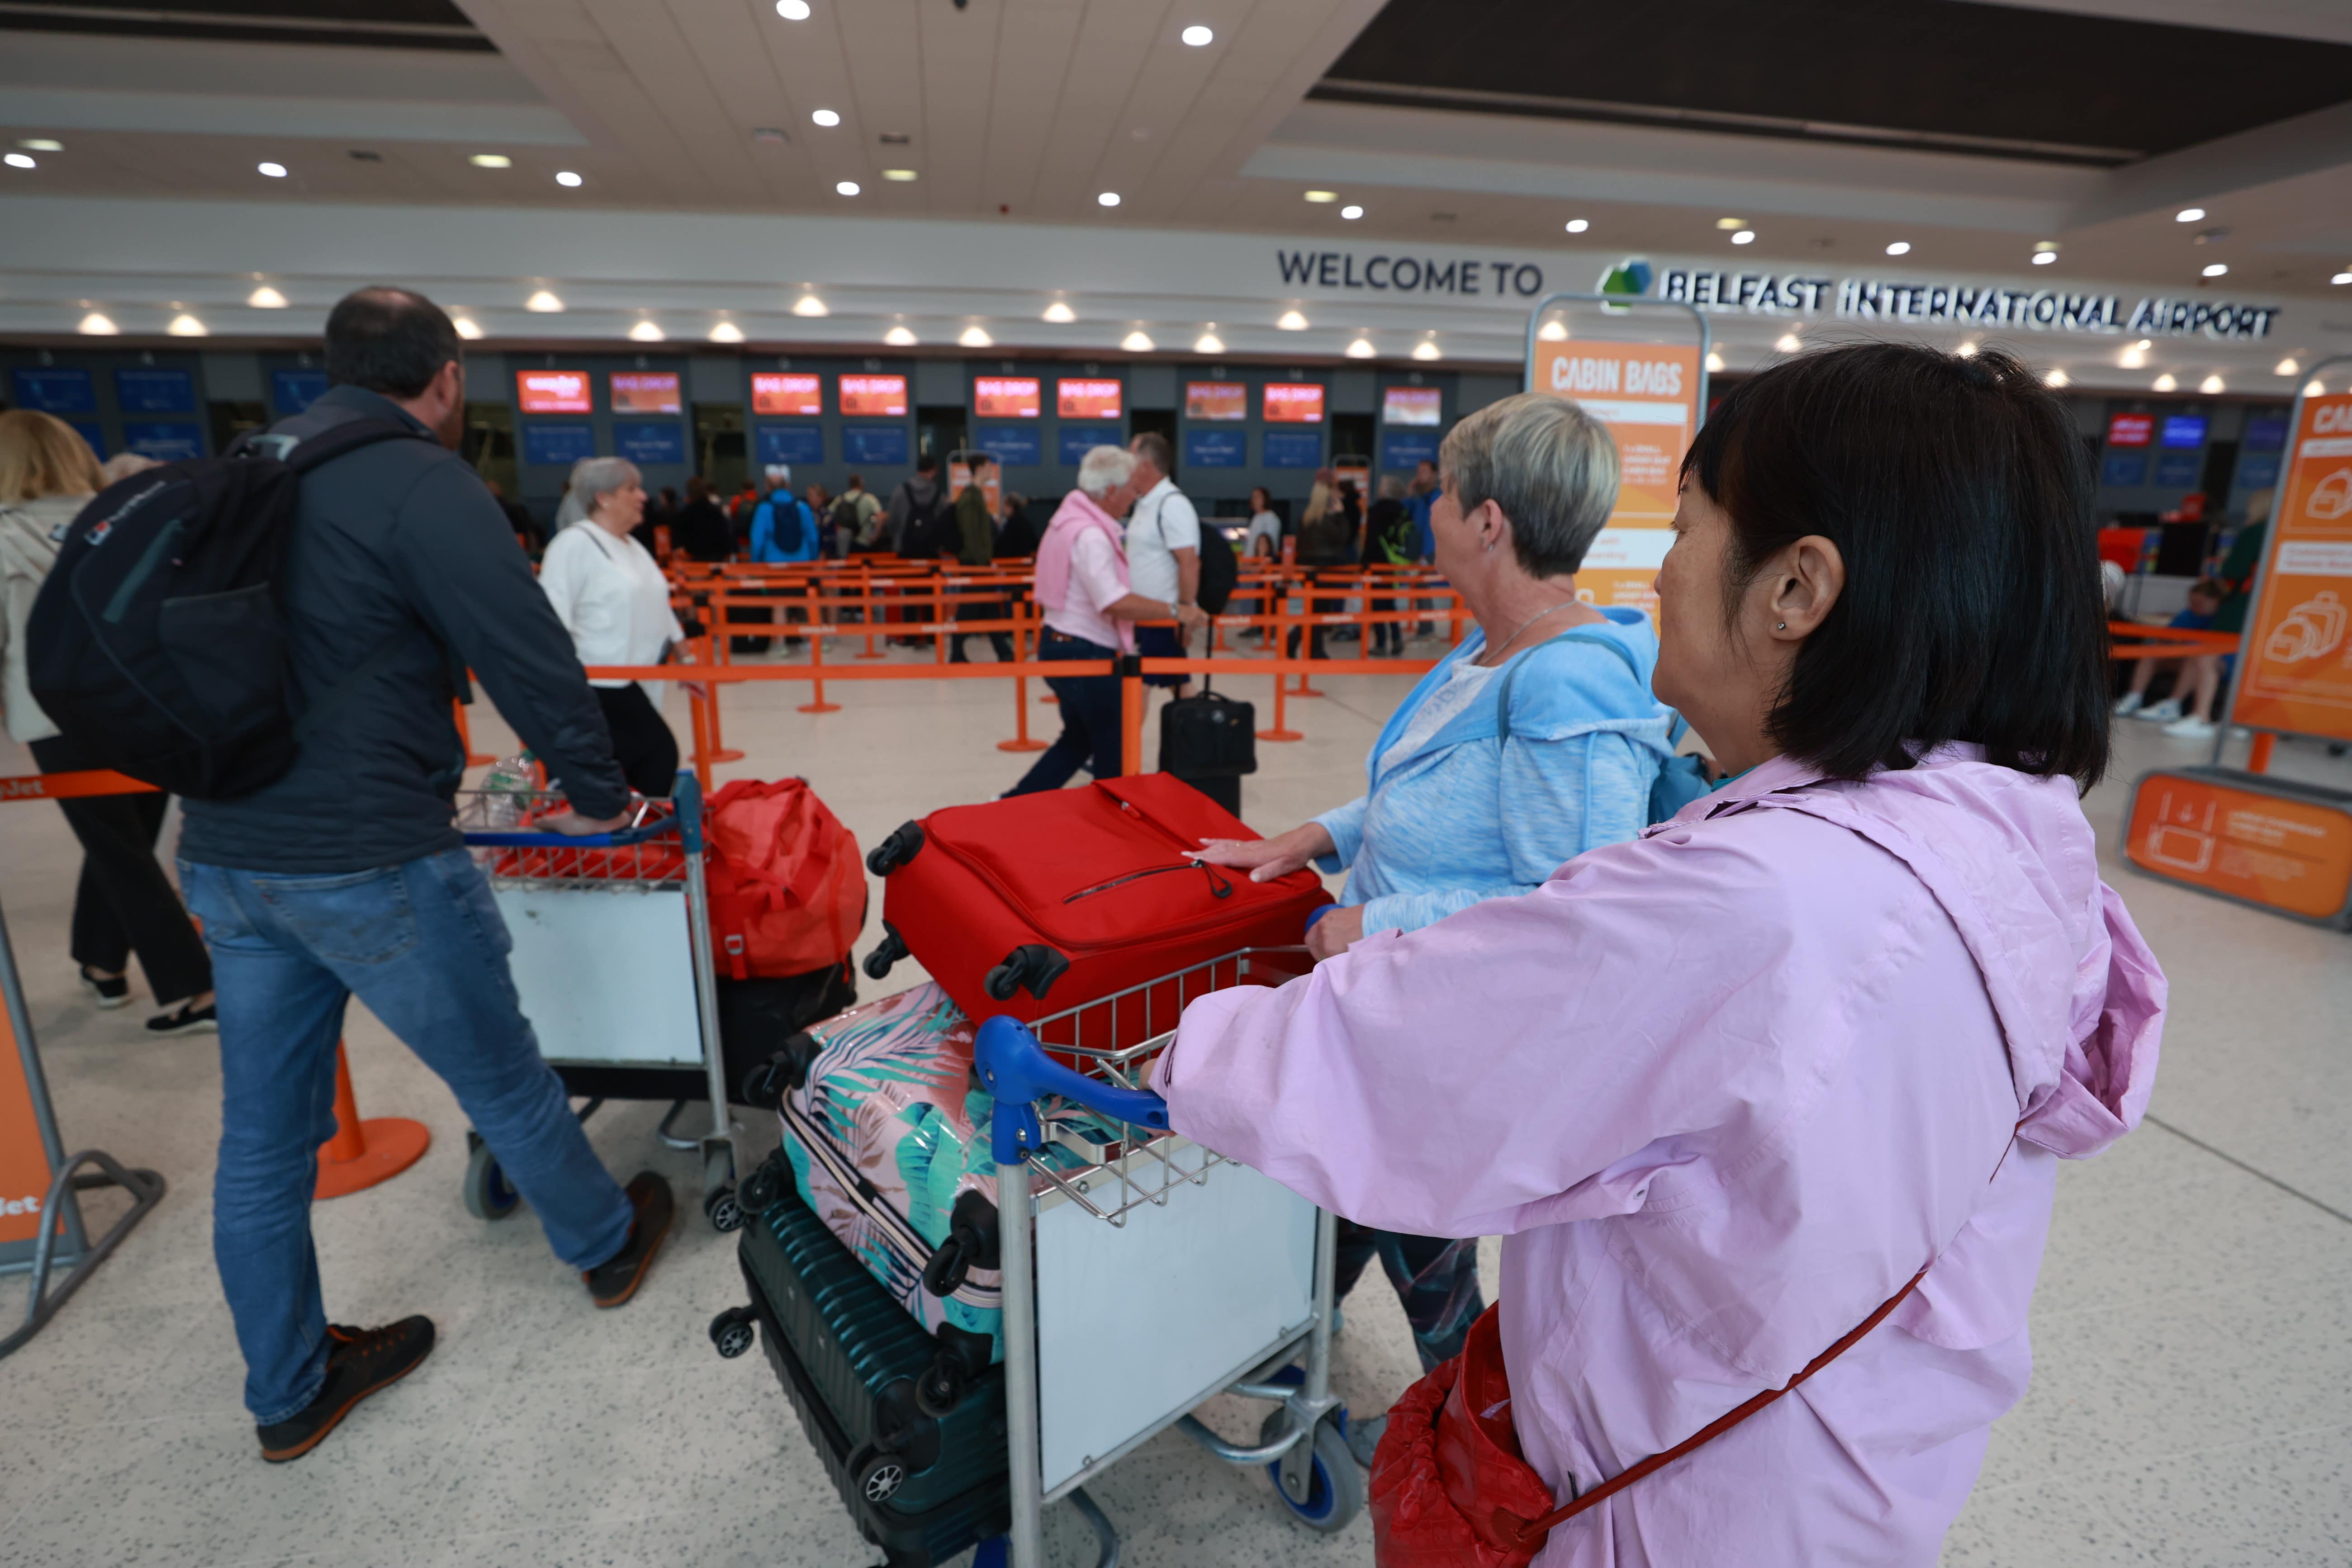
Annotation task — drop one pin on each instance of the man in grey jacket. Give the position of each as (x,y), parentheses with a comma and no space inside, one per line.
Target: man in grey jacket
(347,875)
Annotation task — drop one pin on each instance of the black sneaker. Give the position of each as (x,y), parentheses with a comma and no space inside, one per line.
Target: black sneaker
(188,1018)
(614,1281)
(106,993)
(360,1362)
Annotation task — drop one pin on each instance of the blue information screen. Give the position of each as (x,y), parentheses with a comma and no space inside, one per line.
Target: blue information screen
(557,445)
(1014,446)
(52,390)
(170,442)
(790,443)
(2178,470)
(94,433)
(1406,451)
(648,441)
(1077,440)
(292,391)
(874,442)
(2258,471)
(1294,449)
(154,391)
(2184,431)
(1215,449)
(2126,468)
(2265,433)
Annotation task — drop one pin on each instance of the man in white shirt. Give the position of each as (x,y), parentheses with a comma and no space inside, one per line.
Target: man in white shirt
(1164,551)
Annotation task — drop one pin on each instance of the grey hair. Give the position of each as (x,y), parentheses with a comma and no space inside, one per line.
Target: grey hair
(1104,470)
(1392,488)
(596,478)
(1549,465)
(779,473)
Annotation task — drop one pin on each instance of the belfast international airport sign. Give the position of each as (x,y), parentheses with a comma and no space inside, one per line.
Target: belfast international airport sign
(1934,303)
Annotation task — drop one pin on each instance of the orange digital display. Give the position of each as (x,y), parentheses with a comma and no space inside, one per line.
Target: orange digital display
(1411,405)
(1088,399)
(2277,850)
(2298,649)
(872,396)
(1215,400)
(1007,396)
(645,391)
(555,392)
(1294,403)
(786,393)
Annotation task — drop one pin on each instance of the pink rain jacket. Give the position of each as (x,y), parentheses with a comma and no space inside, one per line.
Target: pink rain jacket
(1723,1089)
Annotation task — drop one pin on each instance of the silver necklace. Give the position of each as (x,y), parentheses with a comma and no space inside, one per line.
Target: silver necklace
(1496,651)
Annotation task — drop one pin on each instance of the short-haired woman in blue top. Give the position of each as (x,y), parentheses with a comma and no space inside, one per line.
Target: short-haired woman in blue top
(1534,741)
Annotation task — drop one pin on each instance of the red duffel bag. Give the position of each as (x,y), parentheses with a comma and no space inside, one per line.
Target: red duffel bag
(787,888)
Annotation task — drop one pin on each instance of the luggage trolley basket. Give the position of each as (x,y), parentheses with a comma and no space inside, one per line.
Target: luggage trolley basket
(1155,1276)
(612,962)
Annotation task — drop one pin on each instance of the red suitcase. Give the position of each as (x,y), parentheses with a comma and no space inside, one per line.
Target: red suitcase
(1044,903)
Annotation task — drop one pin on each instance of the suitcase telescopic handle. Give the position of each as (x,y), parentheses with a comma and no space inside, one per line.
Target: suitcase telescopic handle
(1015,1070)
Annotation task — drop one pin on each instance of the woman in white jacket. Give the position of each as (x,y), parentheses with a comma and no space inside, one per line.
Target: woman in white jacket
(614,601)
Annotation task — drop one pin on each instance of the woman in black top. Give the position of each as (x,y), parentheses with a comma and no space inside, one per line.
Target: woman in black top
(702,530)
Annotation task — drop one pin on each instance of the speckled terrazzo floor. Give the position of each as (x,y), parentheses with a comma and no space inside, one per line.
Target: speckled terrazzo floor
(2193,1401)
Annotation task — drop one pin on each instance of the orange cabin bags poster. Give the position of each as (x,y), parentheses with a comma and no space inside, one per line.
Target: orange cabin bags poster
(2299,650)
(1647,394)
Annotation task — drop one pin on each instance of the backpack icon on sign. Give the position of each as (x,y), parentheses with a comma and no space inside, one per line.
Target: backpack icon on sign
(2311,630)
(2332,498)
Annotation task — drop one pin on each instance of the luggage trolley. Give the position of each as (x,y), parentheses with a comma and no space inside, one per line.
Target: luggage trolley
(1136,1288)
(612,962)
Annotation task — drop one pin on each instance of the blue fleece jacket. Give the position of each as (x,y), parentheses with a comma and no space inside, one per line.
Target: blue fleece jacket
(763,530)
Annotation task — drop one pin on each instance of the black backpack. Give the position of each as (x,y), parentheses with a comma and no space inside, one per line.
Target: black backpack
(930,526)
(156,645)
(1219,569)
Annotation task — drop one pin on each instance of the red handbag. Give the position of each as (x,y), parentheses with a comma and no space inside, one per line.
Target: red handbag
(787,888)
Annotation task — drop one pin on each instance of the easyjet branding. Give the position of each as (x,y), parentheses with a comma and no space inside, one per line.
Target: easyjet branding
(22,1205)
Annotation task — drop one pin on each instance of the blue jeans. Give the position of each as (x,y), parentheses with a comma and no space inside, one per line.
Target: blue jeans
(422,944)
(1090,718)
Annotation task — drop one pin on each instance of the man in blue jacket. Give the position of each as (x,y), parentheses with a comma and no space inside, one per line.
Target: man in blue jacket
(347,877)
(783,530)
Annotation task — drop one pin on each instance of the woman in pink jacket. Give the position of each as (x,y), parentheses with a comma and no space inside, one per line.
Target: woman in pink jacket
(1725,1088)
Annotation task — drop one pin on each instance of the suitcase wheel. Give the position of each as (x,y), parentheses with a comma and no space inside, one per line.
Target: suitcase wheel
(765,1187)
(1033,966)
(971,1244)
(880,1477)
(892,949)
(488,1195)
(896,850)
(731,1332)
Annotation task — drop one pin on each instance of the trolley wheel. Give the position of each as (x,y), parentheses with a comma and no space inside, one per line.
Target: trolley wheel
(880,1477)
(488,1195)
(1335,1488)
(723,1210)
(731,1332)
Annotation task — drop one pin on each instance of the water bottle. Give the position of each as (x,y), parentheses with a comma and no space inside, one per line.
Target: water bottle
(507,789)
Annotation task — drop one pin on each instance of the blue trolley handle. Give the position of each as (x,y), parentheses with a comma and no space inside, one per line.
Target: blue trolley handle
(1016,1071)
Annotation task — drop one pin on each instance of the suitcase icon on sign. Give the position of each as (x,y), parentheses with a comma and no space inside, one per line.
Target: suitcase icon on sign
(2311,630)
(2186,845)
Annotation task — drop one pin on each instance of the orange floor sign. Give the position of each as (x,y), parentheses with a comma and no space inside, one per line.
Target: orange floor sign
(2262,841)
(24,1160)
(2298,675)
(1647,395)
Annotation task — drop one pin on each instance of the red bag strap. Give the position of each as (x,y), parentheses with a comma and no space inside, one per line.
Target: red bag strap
(1506,1528)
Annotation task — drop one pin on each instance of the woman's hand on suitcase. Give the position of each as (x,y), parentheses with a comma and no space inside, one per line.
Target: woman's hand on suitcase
(1266,858)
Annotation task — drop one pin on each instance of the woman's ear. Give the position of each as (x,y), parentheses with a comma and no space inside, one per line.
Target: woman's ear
(1494,528)
(1806,583)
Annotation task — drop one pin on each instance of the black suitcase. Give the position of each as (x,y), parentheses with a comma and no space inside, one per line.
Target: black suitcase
(1208,742)
(910,1426)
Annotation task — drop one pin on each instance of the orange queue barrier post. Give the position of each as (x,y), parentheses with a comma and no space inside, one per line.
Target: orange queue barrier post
(1024,645)
(816,702)
(1131,702)
(720,652)
(364,1151)
(1280,730)
(473,759)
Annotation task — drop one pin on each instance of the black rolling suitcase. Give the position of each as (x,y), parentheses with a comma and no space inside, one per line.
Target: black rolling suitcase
(1208,742)
(910,1425)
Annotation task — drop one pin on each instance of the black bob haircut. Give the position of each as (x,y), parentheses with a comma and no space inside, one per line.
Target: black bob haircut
(392,340)
(1959,494)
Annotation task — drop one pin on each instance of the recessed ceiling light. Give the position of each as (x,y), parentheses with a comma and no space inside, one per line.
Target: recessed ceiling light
(1108,199)
(2341,278)
(1360,349)
(2286,367)
(772,134)
(1714,363)
(1351,213)
(825,117)
(1966,350)
(465,327)
(1291,322)
(20,161)
(900,338)
(1788,342)
(793,10)
(975,338)
(2042,245)
(810,305)
(2216,269)
(544,301)
(1900,248)
(1197,35)
(2132,359)
(2188,215)
(726,332)
(267,299)
(1730,223)
(1208,344)
(491,161)
(1427,349)
(2211,384)
(845,188)
(2055,378)
(2144,344)
(646,332)
(185,326)
(2044,258)
(901,175)
(2164,383)
(41,144)
(1322,195)
(1136,342)
(1553,332)
(1577,226)
(274,171)
(1058,311)
(1745,236)
(97,326)
(568,180)
(2313,389)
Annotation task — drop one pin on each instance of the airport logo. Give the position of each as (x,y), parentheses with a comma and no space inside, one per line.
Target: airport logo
(1961,304)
